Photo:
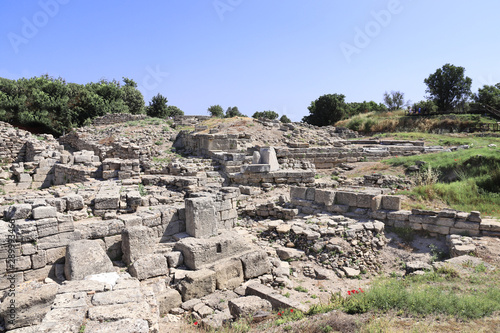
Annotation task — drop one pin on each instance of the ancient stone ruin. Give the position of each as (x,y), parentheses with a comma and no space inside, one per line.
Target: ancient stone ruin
(109,229)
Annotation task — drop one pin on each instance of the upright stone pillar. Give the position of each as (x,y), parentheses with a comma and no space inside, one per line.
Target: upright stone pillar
(201,217)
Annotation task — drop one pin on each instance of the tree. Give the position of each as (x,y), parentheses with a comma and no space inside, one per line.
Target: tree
(233,112)
(488,96)
(448,87)
(326,110)
(158,107)
(271,115)
(132,97)
(173,111)
(285,120)
(216,111)
(394,100)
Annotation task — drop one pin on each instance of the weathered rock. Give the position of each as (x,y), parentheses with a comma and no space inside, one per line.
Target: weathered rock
(137,242)
(86,257)
(168,300)
(44,212)
(286,253)
(228,274)
(201,220)
(18,212)
(248,305)
(351,272)
(122,326)
(255,264)
(149,266)
(30,306)
(198,284)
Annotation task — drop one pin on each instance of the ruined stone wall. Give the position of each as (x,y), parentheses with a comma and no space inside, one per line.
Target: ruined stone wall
(269,179)
(387,208)
(116,118)
(202,144)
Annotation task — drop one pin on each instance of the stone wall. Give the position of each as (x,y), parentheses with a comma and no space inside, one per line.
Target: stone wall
(270,179)
(202,143)
(387,208)
(116,118)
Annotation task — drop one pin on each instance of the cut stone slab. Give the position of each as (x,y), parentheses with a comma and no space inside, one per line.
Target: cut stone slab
(413,266)
(255,264)
(63,320)
(122,326)
(31,306)
(198,284)
(277,301)
(137,242)
(168,300)
(149,266)
(248,306)
(86,257)
(44,212)
(116,312)
(74,202)
(268,156)
(351,272)
(228,274)
(117,297)
(18,212)
(286,253)
(201,220)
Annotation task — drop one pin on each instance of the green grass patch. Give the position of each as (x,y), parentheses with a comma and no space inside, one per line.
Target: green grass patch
(425,295)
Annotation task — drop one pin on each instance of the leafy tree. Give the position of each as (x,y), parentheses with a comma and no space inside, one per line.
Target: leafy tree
(233,112)
(158,107)
(284,119)
(132,97)
(271,115)
(216,111)
(326,110)
(173,111)
(355,108)
(488,96)
(448,87)
(394,100)
(428,105)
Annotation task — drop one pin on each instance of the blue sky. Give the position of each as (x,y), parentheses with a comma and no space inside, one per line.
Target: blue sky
(255,54)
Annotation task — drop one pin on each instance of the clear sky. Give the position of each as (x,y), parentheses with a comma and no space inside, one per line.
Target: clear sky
(255,54)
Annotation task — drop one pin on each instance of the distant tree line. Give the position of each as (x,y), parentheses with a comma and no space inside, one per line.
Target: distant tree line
(57,106)
(448,89)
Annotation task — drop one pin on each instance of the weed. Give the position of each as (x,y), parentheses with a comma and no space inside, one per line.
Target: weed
(405,233)
(301,289)
(313,296)
(142,190)
(287,294)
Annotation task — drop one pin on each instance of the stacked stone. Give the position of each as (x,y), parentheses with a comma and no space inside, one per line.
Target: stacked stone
(123,169)
(116,118)
(460,245)
(41,235)
(272,210)
(342,247)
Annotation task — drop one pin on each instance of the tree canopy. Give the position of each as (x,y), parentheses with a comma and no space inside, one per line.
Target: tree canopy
(271,115)
(488,96)
(216,111)
(58,106)
(448,87)
(394,100)
(326,110)
(233,112)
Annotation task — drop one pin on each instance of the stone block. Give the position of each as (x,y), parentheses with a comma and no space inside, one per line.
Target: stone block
(277,301)
(149,266)
(364,200)
(286,253)
(114,247)
(44,212)
(391,202)
(200,253)
(298,192)
(31,306)
(26,231)
(268,156)
(47,227)
(18,212)
(197,284)
(445,221)
(376,203)
(248,306)
(311,193)
(426,219)
(436,228)
(379,215)
(175,259)
(326,197)
(86,257)
(346,198)
(65,223)
(402,215)
(467,225)
(201,220)
(137,242)
(123,326)
(168,300)
(74,202)
(255,263)
(39,259)
(228,274)
(131,220)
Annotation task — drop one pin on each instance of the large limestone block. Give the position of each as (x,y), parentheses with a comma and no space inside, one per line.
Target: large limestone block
(44,212)
(391,202)
(137,242)
(122,326)
(325,197)
(200,253)
(228,274)
(86,257)
(18,212)
(268,156)
(255,264)
(149,266)
(168,300)
(248,306)
(31,306)
(74,202)
(201,218)
(198,284)
(346,198)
